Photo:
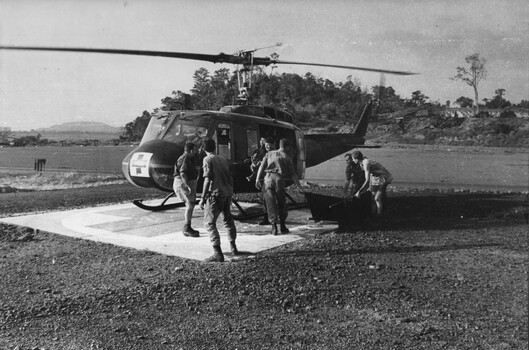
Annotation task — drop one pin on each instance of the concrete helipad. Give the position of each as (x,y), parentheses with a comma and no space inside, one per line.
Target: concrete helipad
(129,226)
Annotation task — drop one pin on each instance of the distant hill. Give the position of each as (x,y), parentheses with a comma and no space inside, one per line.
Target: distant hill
(438,126)
(74,132)
(82,126)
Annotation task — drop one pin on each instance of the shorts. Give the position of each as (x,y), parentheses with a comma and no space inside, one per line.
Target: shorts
(379,182)
(183,192)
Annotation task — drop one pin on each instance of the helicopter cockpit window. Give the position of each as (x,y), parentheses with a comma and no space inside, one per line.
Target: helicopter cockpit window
(179,133)
(156,128)
(192,133)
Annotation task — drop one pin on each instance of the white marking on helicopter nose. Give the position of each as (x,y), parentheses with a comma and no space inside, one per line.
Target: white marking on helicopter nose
(139,164)
(128,226)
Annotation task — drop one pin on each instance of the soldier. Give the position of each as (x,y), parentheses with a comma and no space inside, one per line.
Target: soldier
(185,185)
(216,199)
(377,179)
(267,145)
(256,159)
(277,167)
(354,177)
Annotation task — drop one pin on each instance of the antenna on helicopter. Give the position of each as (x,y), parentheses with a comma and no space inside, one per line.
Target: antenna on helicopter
(381,89)
(259,48)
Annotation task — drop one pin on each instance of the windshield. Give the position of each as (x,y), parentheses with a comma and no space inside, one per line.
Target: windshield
(174,130)
(191,133)
(155,128)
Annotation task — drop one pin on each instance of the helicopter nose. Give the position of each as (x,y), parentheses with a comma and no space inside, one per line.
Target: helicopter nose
(152,164)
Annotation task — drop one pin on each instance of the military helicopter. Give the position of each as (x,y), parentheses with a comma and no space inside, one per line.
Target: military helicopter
(236,129)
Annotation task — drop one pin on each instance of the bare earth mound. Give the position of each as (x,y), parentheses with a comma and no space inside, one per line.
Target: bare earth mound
(444,271)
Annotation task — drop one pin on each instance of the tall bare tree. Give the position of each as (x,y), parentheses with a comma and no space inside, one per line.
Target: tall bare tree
(473,74)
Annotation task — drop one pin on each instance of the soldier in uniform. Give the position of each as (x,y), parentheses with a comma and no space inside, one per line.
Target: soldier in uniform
(185,185)
(216,199)
(277,167)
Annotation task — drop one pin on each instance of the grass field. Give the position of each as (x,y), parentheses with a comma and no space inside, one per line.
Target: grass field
(446,167)
(57,181)
(71,135)
(100,159)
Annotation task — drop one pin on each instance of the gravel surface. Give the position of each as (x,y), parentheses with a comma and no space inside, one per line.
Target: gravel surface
(443,271)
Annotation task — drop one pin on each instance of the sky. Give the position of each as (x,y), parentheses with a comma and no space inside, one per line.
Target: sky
(432,38)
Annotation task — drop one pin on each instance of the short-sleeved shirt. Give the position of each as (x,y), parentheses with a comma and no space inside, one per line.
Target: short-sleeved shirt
(279,162)
(216,169)
(354,173)
(258,155)
(186,165)
(261,152)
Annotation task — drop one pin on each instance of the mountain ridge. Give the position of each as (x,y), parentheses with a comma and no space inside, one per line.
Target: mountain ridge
(82,126)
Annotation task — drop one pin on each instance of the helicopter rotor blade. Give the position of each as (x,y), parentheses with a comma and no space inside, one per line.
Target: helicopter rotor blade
(219,58)
(387,71)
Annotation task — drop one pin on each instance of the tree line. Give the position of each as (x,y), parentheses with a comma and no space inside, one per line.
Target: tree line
(312,99)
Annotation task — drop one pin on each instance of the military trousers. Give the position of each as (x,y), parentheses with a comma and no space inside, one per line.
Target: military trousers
(275,197)
(213,207)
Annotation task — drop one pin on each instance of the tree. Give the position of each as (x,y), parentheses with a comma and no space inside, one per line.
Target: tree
(134,131)
(473,74)
(465,102)
(5,133)
(222,88)
(348,100)
(497,101)
(500,92)
(202,90)
(418,98)
(177,101)
(388,100)
(523,104)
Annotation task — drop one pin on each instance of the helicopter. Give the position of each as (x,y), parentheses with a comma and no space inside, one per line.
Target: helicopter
(235,128)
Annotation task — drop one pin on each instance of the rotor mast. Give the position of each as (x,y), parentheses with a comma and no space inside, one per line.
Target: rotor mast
(245,73)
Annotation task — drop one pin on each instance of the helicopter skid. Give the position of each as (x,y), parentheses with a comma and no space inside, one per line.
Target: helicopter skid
(139,203)
(160,207)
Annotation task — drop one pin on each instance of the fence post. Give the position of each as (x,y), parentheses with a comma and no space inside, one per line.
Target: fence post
(40,164)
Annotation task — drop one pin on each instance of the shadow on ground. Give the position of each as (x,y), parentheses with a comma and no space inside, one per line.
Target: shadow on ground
(440,211)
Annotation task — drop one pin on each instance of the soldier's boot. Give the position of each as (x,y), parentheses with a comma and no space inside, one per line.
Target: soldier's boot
(284,228)
(265,220)
(234,249)
(274,231)
(194,231)
(189,232)
(217,256)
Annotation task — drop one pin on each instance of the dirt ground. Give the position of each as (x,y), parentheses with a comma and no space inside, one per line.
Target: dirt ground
(445,270)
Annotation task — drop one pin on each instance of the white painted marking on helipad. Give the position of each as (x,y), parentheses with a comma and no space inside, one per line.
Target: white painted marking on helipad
(129,226)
